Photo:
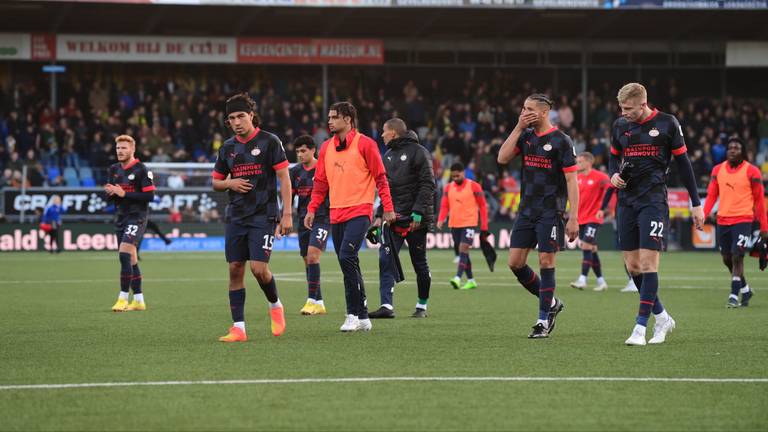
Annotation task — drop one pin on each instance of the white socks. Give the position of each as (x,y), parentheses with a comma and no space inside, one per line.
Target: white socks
(123,296)
(139,297)
(240,325)
(663,316)
(276,304)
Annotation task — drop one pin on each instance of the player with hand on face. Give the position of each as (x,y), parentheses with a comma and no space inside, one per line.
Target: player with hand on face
(548,178)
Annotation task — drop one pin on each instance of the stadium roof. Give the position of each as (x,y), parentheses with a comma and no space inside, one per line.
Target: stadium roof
(390,22)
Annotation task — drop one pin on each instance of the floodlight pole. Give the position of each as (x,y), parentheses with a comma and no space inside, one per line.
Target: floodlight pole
(325,90)
(584,90)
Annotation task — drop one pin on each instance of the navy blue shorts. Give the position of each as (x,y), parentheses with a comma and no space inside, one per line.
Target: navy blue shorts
(734,239)
(131,231)
(317,237)
(588,233)
(249,241)
(548,231)
(643,227)
(463,235)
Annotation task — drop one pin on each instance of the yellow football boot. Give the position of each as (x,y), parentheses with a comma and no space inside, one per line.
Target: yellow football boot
(136,306)
(120,306)
(308,308)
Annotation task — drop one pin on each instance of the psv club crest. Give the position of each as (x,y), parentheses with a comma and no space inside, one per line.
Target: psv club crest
(256,152)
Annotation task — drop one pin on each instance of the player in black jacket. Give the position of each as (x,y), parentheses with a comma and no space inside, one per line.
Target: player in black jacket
(412,184)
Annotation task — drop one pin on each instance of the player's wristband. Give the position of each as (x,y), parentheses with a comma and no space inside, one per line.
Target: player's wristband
(416,217)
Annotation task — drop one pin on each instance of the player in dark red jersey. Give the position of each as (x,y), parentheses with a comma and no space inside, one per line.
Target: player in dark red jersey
(312,242)
(548,177)
(247,167)
(129,186)
(593,185)
(643,141)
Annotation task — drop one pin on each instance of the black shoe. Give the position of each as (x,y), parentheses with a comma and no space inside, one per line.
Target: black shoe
(553,311)
(168,241)
(745,298)
(419,313)
(382,312)
(539,331)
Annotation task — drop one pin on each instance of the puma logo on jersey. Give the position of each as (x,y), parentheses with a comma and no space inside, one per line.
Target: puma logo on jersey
(339,165)
(730,186)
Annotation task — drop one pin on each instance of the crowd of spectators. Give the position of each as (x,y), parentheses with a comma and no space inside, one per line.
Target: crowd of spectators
(180,118)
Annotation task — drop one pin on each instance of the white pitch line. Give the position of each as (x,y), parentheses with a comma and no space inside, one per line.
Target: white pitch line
(382,379)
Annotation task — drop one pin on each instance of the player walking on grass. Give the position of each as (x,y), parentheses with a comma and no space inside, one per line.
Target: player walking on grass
(349,171)
(129,186)
(312,242)
(739,186)
(643,142)
(593,185)
(548,177)
(248,166)
(463,200)
(412,185)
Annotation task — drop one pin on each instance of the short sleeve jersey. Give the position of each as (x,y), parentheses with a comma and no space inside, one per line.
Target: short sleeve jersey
(545,160)
(302,182)
(592,188)
(134,177)
(649,146)
(257,160)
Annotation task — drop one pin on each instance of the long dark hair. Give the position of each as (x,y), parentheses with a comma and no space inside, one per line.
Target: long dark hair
(243,102)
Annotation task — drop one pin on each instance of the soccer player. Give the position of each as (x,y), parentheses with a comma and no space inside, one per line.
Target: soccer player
(739,185)
(643,141)
(412,185)
(548,177)
(463,200)
(50,222)
(131,189)
(248,166)
(349,171)
(311,242)
(593,185)
(630,286)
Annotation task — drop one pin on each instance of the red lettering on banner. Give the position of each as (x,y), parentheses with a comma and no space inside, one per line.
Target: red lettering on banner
(43,47)
(148,47)
(310,51)
(174,48)
(99,47)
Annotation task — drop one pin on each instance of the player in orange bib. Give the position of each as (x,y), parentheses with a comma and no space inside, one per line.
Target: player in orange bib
(464,200)
(738,184)
(349,171)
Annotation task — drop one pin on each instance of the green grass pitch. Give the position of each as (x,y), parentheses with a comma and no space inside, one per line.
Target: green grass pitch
(56,328)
